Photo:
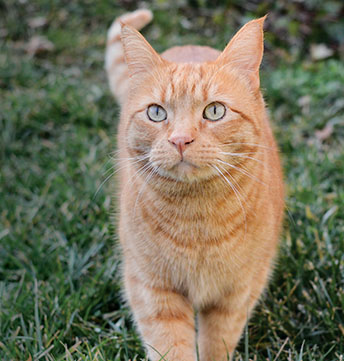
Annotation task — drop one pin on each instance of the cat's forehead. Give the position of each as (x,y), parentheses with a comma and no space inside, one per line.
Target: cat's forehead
(185,83)
(186,80)
(185,86)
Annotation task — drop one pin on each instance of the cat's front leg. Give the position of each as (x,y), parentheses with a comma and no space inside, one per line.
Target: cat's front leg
(221,324)
(165,319)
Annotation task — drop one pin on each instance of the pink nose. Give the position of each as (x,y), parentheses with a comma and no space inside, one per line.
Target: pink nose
(180,142)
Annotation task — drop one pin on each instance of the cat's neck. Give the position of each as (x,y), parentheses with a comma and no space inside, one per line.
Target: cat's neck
(208,210)
(174,191)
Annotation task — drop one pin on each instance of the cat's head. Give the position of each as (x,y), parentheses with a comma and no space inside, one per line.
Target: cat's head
(191,121)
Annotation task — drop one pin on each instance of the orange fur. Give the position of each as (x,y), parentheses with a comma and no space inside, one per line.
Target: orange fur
(201,202)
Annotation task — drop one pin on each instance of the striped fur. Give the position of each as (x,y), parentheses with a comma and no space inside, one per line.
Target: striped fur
(198,232)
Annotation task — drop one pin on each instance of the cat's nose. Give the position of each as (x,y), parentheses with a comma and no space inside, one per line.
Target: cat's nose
(180,142)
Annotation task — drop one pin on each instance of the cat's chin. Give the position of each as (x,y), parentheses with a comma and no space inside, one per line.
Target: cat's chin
(187,172)
(185,168)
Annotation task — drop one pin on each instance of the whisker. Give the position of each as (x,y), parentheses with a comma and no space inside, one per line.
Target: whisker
(138,159)
(225,171)
(242,171)
(145,182)
(101,185)
(120,160)
(239,155)
(253,145)
(112,159)
(243,153)
(125,160)
(235,192)
(141,171)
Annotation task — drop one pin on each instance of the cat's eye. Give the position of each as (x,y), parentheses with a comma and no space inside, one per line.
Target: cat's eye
(156,113)
(214,111)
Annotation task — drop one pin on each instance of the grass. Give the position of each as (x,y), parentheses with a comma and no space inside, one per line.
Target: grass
(59,268)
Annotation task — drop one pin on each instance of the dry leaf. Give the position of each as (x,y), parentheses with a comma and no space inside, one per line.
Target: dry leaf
(37,22)
(39,44)
(320,51)
(324,133)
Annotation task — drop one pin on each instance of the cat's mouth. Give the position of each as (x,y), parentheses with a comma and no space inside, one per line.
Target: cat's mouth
(185,168)
(184,163)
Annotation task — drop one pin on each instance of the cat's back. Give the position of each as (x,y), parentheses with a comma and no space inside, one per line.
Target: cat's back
(190,54)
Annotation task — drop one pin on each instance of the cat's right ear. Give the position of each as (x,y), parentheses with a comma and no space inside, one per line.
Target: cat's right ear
(139,55)
(245,51)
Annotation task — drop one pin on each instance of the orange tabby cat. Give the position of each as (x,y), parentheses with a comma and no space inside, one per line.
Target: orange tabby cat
(201,192)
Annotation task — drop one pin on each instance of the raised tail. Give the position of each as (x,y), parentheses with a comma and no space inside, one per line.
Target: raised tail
(115,65)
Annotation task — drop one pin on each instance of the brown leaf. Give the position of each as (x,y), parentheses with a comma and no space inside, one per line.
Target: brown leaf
(324,133)
(37,22)
(39,44)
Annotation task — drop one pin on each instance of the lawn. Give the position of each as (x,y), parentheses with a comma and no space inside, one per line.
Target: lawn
(60,284)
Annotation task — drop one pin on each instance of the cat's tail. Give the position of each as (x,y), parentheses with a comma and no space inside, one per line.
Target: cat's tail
(115,65)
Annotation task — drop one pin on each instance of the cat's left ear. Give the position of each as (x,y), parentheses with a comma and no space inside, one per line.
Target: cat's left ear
(245,51)
(139,55)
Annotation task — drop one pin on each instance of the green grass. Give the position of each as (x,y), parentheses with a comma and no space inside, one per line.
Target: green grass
(60,295)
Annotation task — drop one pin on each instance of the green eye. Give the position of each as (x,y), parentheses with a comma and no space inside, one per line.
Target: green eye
(214,111)
(156,113)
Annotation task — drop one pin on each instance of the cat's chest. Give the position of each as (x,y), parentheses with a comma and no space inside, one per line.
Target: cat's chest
(188,245)
(196,254)
(190,222)
(204,272)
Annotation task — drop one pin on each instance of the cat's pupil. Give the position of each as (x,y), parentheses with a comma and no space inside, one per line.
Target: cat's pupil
(157,110)
(214,109)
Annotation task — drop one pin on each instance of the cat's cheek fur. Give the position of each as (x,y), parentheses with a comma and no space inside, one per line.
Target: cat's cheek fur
(140,134)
